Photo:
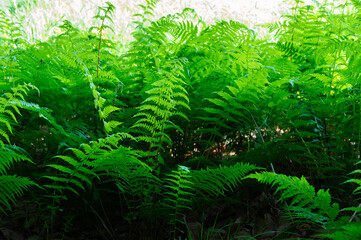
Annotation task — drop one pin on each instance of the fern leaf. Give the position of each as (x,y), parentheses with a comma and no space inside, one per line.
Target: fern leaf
(305,202)
(348,232)
(216,181)
(11,187)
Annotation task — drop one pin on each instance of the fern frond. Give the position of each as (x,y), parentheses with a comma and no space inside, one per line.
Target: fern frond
(348,232)
(99,158)
(8,156)
(216,181)
(305,203)
(11,187)
(43,113)
(165,98)
(178,196)
(355,180)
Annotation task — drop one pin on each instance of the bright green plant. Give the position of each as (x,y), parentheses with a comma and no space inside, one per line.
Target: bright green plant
(11,186)
(178,196)
(305,202)
(156,111)
(349,232)
(99,157)
(184,113)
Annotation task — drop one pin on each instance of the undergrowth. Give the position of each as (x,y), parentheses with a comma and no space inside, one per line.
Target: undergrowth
(159,140)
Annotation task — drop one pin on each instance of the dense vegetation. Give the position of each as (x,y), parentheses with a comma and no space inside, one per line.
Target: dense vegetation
(195,131)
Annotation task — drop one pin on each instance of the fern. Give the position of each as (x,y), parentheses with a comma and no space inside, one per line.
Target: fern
(99,157)
(78,59)
(305,203)
(166,99)
(8,156)
(161,86)
(178,196)
(216,181)
(11,186)
(347,232)
(191,94)
(11,37)
(355,180)
(98,101)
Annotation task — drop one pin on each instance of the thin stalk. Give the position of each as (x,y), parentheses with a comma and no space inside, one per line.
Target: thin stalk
(100,39)
(260,134)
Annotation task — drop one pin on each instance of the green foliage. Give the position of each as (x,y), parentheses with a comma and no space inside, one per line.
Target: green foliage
(92,160)
(183,114)
(349,232)
(166,96)
(355,180)
(216,181)
(11,186)
(305,202)
(178,196)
